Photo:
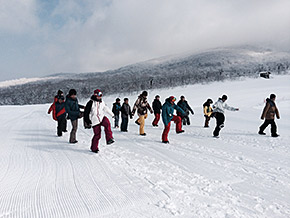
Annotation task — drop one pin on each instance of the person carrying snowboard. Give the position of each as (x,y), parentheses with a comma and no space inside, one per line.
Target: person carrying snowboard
(219,110)
(94,115)
(116,110)
(60,115)
(141,105)
(207,110)
(269,112)
(125,113)
(157,106)
(183,104)
(72,108)
(52,106)
(167,116)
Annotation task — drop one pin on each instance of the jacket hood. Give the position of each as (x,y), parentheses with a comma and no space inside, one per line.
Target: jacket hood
(142,97)
(167,101)
(206,104)
(94,98)
(69,98)
(272,103)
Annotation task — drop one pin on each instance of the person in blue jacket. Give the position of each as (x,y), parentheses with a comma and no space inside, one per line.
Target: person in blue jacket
(72,108)
(167,116)
(116,110)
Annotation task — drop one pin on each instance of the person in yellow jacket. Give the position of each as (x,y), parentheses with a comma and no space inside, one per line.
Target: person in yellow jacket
(207,110)
(141,105)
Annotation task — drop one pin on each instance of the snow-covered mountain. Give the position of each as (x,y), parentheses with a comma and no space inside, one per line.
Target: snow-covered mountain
(241,174)
(212,65)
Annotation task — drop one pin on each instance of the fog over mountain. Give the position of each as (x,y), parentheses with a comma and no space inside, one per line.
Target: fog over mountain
(171,71)
(39,38)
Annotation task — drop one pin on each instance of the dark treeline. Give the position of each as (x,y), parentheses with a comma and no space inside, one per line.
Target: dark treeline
(201,68)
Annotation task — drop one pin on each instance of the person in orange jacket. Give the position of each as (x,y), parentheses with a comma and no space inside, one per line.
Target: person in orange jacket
(60,115)
(52,106)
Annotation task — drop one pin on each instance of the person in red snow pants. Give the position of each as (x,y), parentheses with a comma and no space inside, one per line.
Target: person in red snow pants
(175,119)
(156,120)
(97,133)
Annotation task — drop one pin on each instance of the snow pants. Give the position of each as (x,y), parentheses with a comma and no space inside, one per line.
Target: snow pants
(186,120)
(73,132)
(141,120)
(61,125)
(124,123)
(117,118)
(220,119)
(156,120)
(175,119)
(97,133)
(273,126)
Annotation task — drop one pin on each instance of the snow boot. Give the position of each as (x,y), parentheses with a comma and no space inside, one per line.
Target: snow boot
(181,131)
(275,135)
(143,134)
(261,133)
(110,141)
(96,151)
(165,142)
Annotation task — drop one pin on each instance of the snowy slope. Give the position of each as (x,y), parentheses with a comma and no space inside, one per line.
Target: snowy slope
(241,174)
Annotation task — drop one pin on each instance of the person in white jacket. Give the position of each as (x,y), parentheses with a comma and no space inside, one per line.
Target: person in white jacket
(218,112)
(94,116)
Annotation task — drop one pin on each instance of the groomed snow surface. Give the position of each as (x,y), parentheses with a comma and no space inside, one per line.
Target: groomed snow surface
(241,174)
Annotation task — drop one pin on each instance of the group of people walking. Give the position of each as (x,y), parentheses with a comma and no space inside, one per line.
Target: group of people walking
(95,114)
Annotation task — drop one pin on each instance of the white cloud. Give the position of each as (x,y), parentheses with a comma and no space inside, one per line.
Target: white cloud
(18,16)
(80,36)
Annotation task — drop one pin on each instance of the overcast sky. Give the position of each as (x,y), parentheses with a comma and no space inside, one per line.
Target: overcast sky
(41,37)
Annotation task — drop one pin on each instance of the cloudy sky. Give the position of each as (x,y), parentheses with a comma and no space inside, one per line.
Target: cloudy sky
(42,37)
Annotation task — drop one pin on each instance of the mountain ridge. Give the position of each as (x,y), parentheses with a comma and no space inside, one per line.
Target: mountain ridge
(168,71)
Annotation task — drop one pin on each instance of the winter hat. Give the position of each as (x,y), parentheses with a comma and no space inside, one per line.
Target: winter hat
(59,92)
(72,92)
(209,101)
(98,92)
(144,93)
(224,97)
(182,97)
(157,96)
(272,96)
(118,99)
(172,99)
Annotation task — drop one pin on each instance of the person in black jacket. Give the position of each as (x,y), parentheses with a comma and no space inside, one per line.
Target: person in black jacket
(125,113)
(60,115)
(185,107)
(116,110)
(157,107)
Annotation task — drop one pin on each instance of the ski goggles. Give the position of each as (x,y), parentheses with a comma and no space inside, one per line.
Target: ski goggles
(100,94)
(173,99)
